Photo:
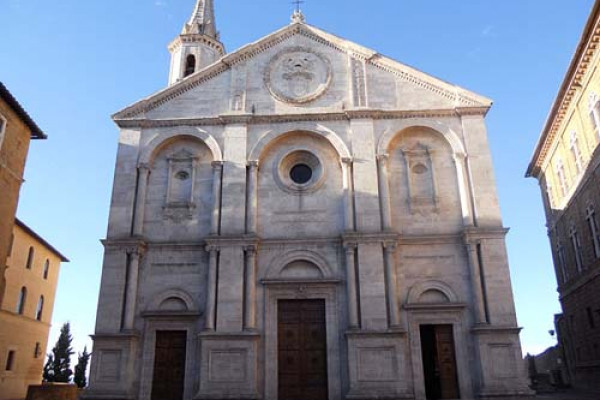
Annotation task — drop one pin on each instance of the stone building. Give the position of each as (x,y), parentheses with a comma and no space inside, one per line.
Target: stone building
(26,311)
(16,130)
(303,218)
(566,163)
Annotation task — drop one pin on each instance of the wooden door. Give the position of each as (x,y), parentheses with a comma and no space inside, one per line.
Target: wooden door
(169,365)
(446,362)
(302,350)
(439,362)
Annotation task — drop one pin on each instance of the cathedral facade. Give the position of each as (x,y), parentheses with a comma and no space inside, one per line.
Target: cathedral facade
(303,218)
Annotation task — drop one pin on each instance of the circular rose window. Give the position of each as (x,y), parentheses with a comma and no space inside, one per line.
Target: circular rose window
(299,171)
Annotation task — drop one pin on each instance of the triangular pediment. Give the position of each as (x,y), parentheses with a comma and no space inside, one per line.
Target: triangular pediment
(303,55)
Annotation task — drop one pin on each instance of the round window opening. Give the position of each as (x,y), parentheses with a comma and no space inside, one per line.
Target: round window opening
(299,171)
(301,174)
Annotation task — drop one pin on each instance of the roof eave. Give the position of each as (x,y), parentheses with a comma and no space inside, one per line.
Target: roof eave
(40,239)
(6,95)
(567,83)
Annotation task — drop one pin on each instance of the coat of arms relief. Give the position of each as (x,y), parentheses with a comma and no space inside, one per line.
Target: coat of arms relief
(298,75)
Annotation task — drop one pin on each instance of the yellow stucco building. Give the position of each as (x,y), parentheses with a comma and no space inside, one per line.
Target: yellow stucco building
(17,129)
(566,162)
(25,314)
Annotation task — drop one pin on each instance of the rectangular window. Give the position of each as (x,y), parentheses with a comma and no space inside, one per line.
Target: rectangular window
(590,316)
(10,360)
(12,242)
(2,129)
(38,350)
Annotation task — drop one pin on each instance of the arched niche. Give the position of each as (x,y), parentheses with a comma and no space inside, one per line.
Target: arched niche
(173,301)
(435,127)
(299,265)
(431,292)
(271,137)
(316,196)
(163,140)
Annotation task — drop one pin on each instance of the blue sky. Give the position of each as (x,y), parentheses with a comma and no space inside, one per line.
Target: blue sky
(73,63)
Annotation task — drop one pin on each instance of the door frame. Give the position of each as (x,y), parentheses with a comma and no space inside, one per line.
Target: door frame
(454,315)
(173,323)
(308,290)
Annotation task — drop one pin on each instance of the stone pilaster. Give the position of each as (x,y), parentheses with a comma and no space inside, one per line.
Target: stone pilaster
(252,198)
(250,289)
(384,192)
(140,199)
(389,248)
(215,221)
(352,298)
(210,314)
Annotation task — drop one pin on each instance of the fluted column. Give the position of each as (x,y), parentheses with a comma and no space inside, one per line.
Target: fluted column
(211,289)
(132,288)
(352,298)
(140,199)
(389,248)
(475,273)
(251,197)
(384,192)
(461,178)
(250,289)
(216,194)
(348,194)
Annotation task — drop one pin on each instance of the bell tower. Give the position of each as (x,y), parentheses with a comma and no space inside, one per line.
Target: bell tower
(198,44)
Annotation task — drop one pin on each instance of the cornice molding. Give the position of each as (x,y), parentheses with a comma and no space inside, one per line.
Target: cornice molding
(569,90)
(253,119)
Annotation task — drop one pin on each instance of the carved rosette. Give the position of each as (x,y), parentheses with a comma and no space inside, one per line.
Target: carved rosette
(298,75)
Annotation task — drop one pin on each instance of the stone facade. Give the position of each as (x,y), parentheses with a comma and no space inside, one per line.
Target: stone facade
(31,277)
(566,163)
(307,171)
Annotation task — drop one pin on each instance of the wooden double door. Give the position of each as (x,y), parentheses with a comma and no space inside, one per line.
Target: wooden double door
(439,362)
(302,350)
(169,365)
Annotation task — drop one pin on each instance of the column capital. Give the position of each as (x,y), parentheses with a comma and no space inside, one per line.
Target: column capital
(210,248)
(253,163)
(136,251)
(251,249)
(383,157)
(390,245)
(144,167)
(347,160)
(217,164)
(350,247)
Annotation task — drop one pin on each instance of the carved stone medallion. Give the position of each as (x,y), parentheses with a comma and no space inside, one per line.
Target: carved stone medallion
(298,75)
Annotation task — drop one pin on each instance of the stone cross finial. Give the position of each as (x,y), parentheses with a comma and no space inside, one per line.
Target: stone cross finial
(298,16)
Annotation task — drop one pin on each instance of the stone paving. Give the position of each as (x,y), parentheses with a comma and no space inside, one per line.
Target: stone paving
(568,395)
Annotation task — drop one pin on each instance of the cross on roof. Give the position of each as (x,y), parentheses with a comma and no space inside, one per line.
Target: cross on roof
(297,3)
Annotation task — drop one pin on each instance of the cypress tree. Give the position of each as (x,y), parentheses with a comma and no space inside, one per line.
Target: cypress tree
(82,363)
(58,366)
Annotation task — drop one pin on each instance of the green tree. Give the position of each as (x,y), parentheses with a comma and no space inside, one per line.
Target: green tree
(58,366)
(82,363)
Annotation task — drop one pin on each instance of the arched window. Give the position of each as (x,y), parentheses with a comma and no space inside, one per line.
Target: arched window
(576,152)
(30,258)
(190,65)
(46,269)
(594,105)
(576,245)
(562,178)
(22,300)
(590,216)
(40,309)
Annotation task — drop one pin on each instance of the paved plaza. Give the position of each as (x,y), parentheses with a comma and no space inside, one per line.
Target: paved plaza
(568,395)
